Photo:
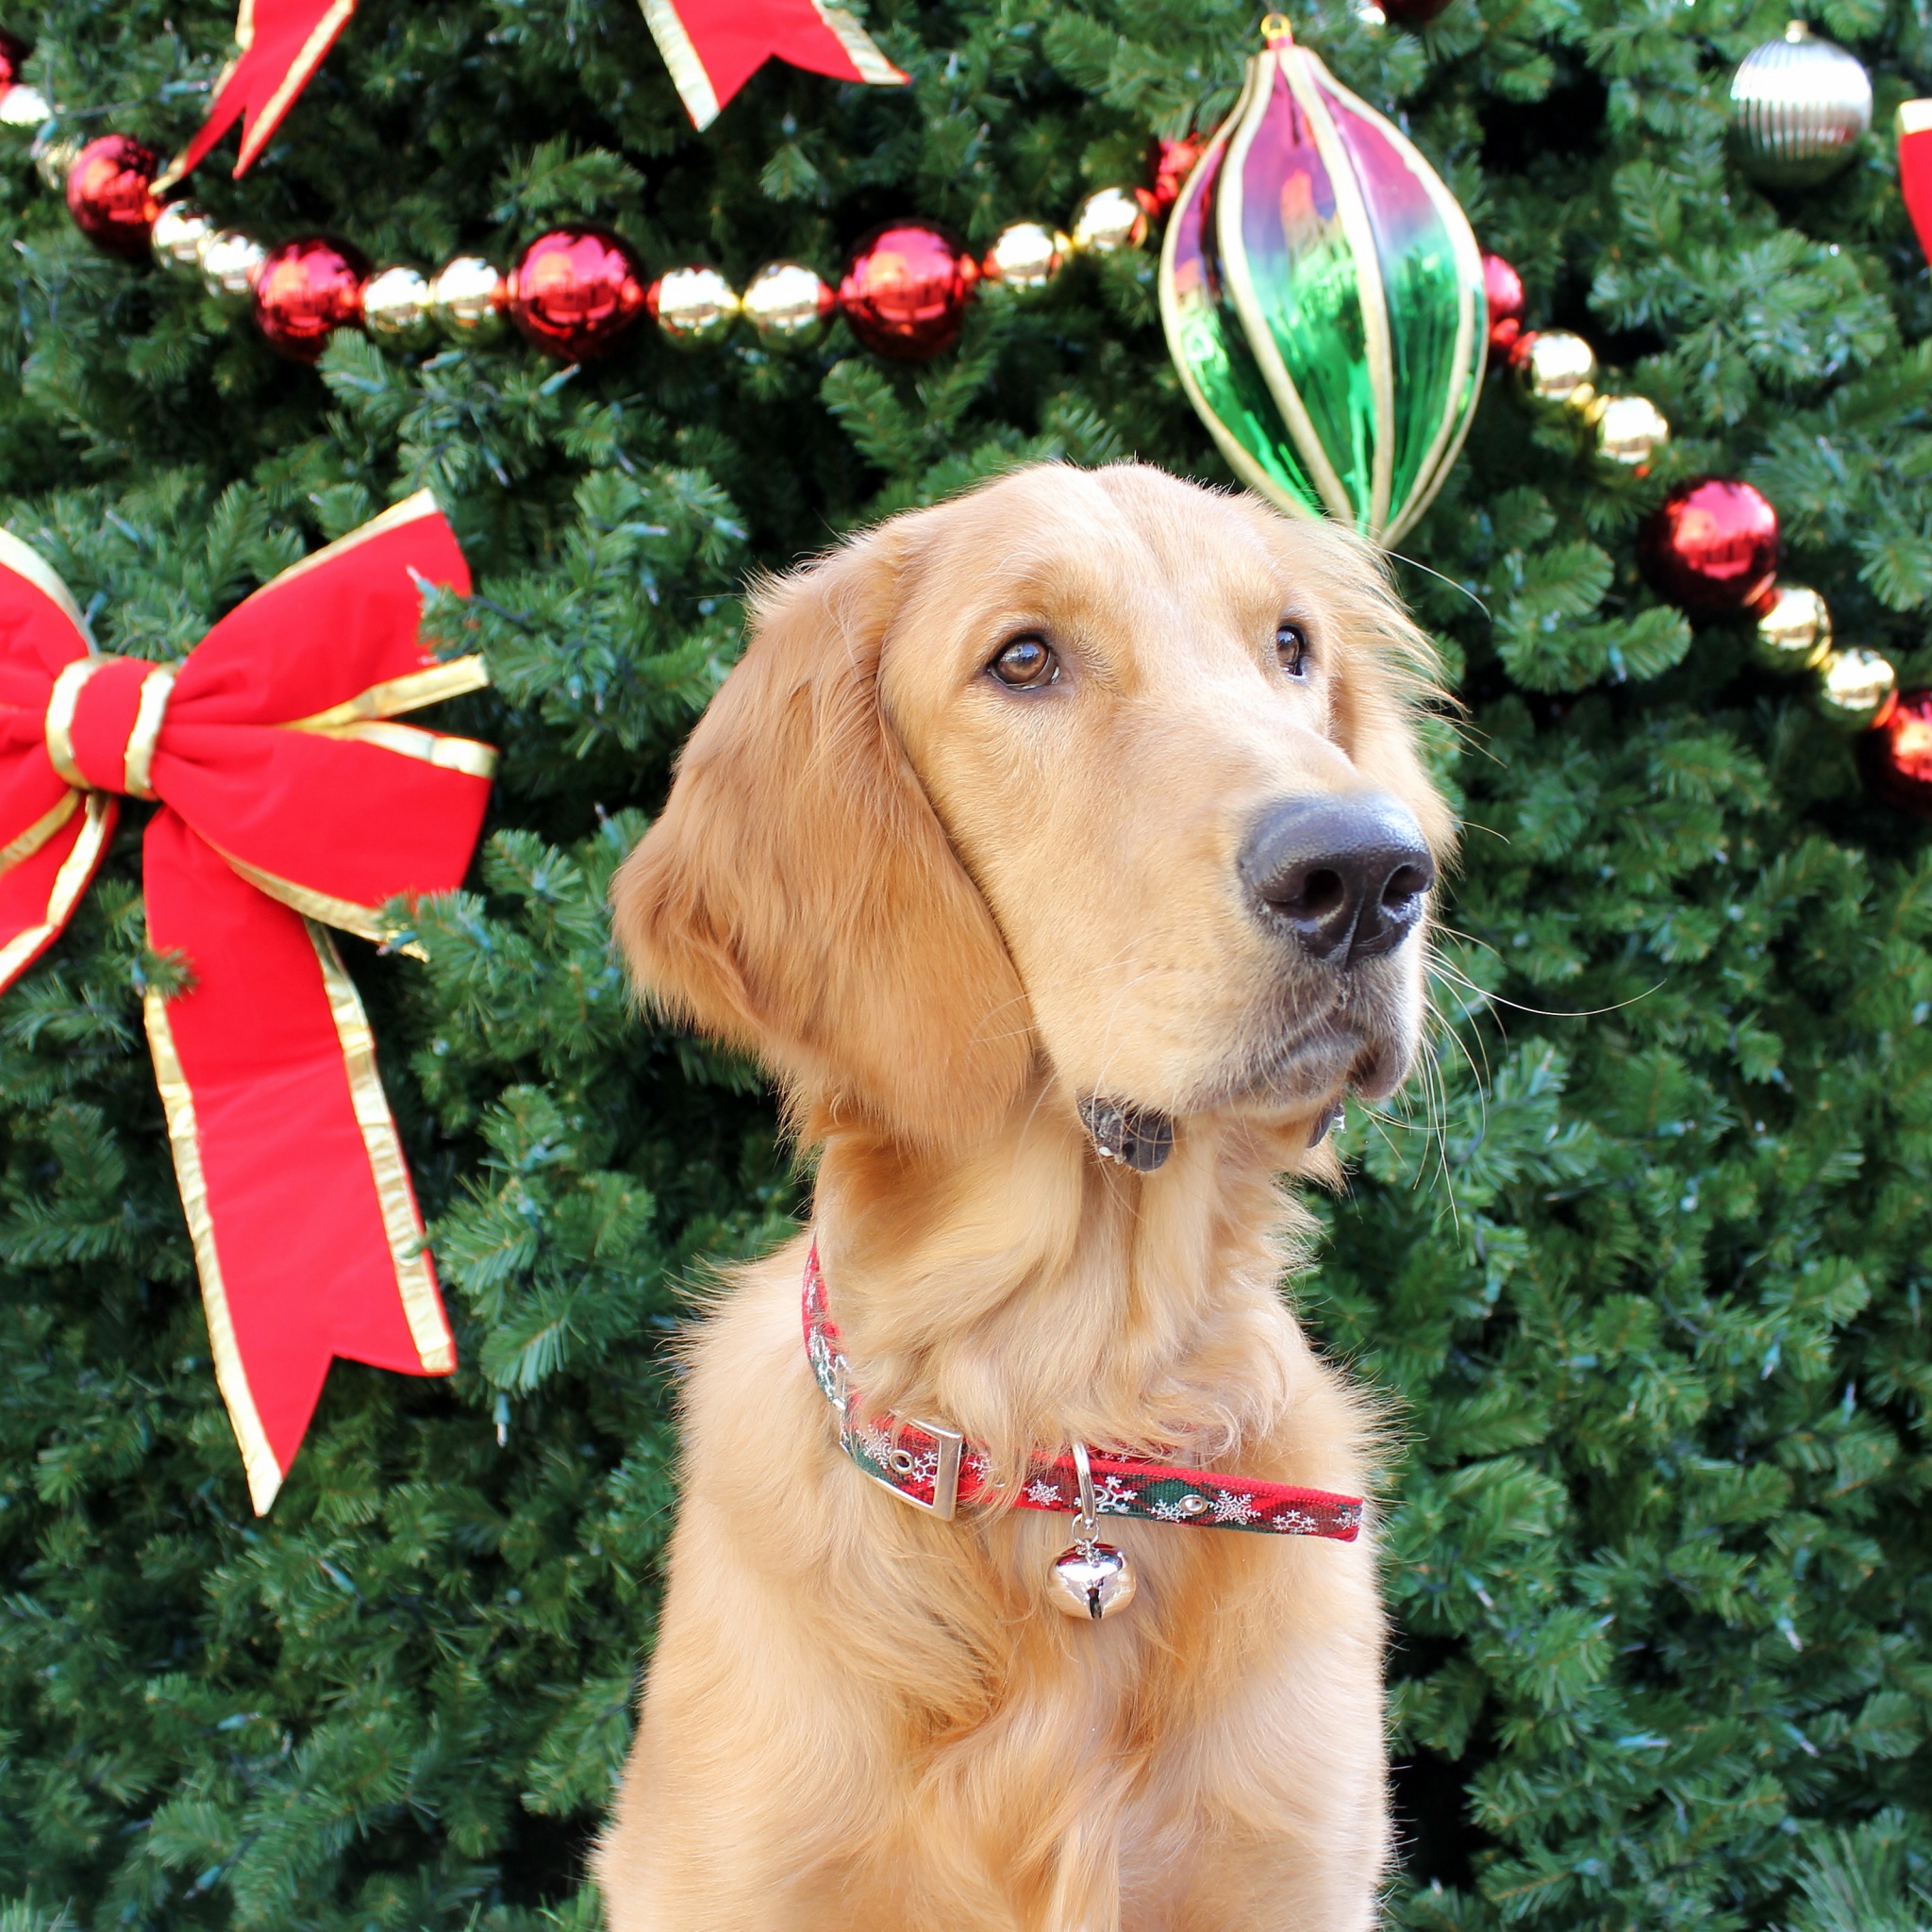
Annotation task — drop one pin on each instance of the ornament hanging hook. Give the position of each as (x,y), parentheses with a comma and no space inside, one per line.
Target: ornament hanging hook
(1275,29)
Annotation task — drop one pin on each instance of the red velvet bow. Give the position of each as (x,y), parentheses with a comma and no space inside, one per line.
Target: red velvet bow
(279,44)
(712,47)
(1913,122)
(288,804)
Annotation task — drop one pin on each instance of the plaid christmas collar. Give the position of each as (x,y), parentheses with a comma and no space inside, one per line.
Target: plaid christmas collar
(937,1469)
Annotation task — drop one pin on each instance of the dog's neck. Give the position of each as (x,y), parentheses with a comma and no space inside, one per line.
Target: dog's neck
(1027,1292)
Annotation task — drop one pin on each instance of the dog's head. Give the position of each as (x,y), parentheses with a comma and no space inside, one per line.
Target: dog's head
(1097,774)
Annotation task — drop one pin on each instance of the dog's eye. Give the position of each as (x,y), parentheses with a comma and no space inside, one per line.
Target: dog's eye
(1291,647)
(1026,663)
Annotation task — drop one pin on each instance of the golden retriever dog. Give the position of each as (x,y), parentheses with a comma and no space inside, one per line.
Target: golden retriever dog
(1065,852)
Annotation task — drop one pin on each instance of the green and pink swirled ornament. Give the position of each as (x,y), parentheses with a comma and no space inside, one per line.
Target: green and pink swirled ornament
(1323,297)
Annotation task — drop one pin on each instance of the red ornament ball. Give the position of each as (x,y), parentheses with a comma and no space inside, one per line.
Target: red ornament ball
(1169,164)
(1896,754)
(1712,546)
(110,196)
(1504,287)
(1412,13)
(305,290)
(577,292)
(907,289)
(13,53)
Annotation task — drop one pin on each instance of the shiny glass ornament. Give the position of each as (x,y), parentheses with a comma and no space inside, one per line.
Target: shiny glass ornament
(1856,688)
(229,262)
(1554,369)
(1799,106)
(305,290)
(1502,291)
(1323,300)
(178,234)
(906,289)
(1109,220)
(1629,429)
(788,304)
(1712,546)
(395,308)
(1026,258)
(692,306)
(20,106)
(24,107)
(1896,754)
(577,292)
(466,297)
(53,156)
(1794,634)
(110,195)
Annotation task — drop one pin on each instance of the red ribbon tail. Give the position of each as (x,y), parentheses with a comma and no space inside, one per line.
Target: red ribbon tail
(307,1234)
(712,47)
(39,889)
(283,43)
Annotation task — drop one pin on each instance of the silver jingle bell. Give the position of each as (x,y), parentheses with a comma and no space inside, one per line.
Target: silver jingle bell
(1091,1580)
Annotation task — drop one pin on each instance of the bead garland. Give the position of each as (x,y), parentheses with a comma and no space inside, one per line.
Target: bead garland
(576,292)
(1712,546)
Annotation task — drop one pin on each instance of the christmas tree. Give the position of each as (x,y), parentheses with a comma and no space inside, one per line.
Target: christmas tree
(1639,1268)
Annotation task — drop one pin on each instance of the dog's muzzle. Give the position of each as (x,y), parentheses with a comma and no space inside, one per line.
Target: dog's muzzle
(1348,877)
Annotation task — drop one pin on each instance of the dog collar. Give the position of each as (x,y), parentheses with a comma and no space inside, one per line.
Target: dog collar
(936,1469)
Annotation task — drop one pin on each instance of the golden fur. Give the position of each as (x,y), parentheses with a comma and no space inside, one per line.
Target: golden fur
(942,913)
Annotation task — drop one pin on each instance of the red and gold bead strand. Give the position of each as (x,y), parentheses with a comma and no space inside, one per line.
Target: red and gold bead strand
(576,292)
(1712,546)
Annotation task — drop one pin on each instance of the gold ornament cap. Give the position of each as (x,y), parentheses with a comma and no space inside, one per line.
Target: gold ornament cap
(1026,258)
(788,304)
(1107,221)
(1557,370)
(1856,688)
(694,307)
(1796,633)
(1629,429)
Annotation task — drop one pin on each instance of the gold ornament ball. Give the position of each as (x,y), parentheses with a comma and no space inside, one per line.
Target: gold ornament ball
(1556,368)
(1629,429)
(54,157)
(1109,220)
(1026,258)
(788,304)
(178,235)
(694,307)
(396,308)
(229,262)
(466,300)
(1855,687)
(1796,633)
(24,107)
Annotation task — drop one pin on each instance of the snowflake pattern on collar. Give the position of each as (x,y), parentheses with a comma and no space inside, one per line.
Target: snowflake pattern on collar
(907,1457)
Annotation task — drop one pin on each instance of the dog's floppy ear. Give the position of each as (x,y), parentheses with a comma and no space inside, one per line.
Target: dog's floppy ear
(798,897)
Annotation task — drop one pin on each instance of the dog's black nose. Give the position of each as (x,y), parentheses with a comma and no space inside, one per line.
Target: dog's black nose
(1347,874)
